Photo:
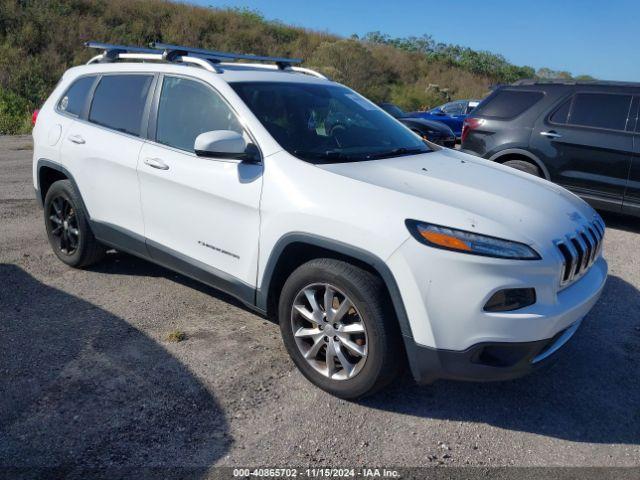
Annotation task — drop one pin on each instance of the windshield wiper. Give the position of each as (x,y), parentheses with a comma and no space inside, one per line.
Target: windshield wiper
(326,155)
(397,152)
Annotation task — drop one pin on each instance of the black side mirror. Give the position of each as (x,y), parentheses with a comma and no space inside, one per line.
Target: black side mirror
(251,154)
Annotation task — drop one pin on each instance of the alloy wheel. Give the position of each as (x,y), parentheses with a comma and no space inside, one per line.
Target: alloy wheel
(63,224)
(329,331)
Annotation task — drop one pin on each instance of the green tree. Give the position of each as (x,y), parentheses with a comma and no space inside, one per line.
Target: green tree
(40,39)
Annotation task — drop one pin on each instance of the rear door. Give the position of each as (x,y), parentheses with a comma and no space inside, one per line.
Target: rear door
(201,214)
(102,148)
(631,202)
(586,145)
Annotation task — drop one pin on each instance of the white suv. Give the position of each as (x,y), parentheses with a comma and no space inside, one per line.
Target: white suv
(312,205)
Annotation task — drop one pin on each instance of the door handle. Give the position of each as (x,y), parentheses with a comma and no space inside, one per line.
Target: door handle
(76,139)
(156,163)
(550,134)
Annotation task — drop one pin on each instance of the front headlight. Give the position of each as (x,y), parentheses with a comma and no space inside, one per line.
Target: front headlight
(466,242)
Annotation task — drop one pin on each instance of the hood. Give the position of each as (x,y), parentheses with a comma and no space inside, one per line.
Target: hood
(429,124)
(470,193)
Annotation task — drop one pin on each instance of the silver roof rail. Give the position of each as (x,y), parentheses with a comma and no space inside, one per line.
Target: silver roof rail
(211,60)
(121,52)
(306,71)
(216,56)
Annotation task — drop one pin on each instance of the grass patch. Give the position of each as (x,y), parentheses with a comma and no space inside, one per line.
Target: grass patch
(176,336)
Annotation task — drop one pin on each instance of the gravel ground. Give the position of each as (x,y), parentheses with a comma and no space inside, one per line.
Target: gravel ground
(89,379)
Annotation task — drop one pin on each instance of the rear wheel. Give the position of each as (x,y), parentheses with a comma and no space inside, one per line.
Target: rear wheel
(524,166)
(338,328)
(68,228)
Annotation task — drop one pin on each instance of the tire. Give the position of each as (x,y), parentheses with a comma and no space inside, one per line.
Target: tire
(370,317)
(524,166)
(67,226)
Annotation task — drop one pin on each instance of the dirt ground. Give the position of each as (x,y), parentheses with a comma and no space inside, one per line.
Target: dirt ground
(88,378)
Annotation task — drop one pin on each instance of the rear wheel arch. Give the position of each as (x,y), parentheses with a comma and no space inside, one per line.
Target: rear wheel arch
(47,176)
(50,172)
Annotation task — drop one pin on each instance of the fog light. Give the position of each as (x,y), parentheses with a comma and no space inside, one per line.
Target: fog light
(511,299)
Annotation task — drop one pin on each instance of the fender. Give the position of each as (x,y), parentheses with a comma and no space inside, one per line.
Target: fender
(421,366)
(524,153)
(342,248)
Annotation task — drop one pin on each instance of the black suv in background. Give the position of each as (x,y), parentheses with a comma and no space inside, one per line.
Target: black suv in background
(583,136)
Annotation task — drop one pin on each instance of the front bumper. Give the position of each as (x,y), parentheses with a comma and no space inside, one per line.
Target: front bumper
(453,337)
(445,141)
(486,361)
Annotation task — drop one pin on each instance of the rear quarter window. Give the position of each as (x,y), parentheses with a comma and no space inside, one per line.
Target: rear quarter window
(74,99)
(505,104)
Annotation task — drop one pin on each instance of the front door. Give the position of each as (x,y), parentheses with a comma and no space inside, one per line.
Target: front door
(585,146)
(201,215)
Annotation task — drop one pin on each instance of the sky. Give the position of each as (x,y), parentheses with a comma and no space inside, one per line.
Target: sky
(598,38)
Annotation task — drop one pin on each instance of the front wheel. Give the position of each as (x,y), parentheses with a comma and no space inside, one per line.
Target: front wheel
(524,166)
(339,329)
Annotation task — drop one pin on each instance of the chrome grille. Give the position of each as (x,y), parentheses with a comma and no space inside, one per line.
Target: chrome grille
(579,250)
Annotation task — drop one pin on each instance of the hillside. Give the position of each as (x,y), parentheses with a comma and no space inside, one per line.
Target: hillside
(39,39)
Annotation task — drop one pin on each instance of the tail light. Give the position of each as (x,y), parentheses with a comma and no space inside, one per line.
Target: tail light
(469,124)
(34,116)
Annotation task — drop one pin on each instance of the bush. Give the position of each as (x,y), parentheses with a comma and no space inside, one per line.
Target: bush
(351,63)
(416,97)
(14,114)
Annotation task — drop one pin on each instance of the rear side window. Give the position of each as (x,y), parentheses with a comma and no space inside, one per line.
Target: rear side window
(508,103)
(188,108)
(74,99)
(600,110)
(119,102)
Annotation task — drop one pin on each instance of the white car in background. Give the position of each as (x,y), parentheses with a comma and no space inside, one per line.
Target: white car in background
(310,204)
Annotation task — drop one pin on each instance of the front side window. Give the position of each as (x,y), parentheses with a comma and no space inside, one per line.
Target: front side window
(188,108)
(119,101)
(600,110)
(454,108)
(327,123)
(75,97)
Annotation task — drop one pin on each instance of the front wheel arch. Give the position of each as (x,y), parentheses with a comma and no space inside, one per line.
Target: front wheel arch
(520,154)
(294,249)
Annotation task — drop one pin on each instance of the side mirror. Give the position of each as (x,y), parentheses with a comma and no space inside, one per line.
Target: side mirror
(438,111)
(225,144)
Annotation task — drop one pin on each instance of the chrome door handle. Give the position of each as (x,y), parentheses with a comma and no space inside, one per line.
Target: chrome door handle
(156,163)
(76,139)
(550,134)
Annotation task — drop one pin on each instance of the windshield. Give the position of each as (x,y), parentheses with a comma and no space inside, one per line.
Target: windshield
(327,123)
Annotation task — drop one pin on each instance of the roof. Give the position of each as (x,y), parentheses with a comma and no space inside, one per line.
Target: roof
(599,83)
